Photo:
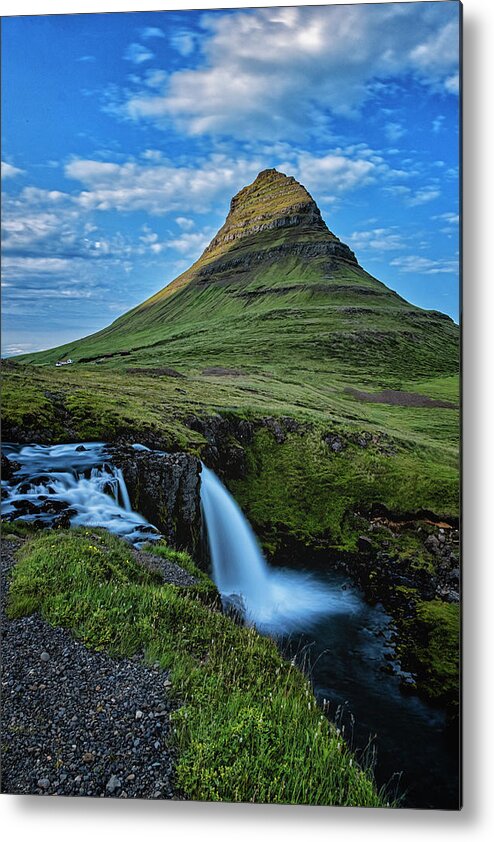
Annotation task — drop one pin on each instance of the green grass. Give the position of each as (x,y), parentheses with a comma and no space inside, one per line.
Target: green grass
(439,652)
(248,728)
(302,485)
(17,528)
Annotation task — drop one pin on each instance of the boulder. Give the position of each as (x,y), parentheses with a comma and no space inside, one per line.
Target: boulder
(364,544)
(335,442)
(8,467)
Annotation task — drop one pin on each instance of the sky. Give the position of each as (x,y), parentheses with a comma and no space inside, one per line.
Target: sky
(125,135)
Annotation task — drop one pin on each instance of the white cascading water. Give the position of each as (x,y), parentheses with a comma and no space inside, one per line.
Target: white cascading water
(80,477)
(276,601)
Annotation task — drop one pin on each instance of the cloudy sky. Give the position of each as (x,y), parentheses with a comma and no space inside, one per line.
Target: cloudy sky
(124,137)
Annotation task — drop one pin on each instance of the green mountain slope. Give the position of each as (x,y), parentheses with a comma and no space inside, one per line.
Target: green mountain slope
(275,289)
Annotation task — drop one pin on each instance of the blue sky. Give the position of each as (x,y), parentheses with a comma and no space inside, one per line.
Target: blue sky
(124,136)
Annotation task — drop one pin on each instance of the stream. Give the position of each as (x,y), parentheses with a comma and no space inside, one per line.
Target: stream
(319,618)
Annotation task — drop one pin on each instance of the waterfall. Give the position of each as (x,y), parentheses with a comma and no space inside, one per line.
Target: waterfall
(238,564)
(276,601)
(77,479)
(79,483)
(124,494)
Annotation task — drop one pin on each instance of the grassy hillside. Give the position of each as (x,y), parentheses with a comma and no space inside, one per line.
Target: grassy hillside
(409,460)
(276,292)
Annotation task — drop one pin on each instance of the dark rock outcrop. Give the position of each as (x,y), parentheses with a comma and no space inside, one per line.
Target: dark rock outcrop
(227,438)
(8,467)
(165,488)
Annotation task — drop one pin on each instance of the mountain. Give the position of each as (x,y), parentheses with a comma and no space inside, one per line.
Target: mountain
(327,403)
(275,288)
(276,324)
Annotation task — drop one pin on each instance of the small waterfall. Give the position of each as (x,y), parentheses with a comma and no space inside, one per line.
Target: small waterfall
(124,494)
(276,601)
(77,479)
(238,564)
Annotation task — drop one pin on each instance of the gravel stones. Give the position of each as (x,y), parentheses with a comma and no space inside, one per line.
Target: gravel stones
(170,572)
(69,719)
(113,784)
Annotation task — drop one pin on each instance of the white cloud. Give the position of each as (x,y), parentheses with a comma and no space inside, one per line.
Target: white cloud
(334,172)
(15,349)
(438,52)
(425,266)
(47,238)
(452,84)
(394,131)
(9,171)
(152,155)
(151,32)
(44,225)
(155,78)
(378,239)
(184,42)
(191,244)
(451,218)
(185,223)
(20,266)
(451,222)
(159,187)
(413,198)
(138,53)
(437,123)
(422,197)
(276,69)
(148,236)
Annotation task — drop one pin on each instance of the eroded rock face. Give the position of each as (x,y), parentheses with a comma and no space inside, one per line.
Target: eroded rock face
(227,438)
(165,488)
(273,201)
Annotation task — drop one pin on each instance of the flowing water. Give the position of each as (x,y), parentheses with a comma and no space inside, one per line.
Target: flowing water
(276,601)
(323,622)
(79,478)
(317,617)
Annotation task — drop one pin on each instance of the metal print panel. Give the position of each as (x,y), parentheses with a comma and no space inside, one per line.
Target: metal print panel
(230,412)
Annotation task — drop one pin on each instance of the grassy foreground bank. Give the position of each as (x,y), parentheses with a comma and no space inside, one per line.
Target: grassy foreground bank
(247,728)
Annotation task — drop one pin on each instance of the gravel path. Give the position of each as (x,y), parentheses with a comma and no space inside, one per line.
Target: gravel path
(170,571)
(77,722)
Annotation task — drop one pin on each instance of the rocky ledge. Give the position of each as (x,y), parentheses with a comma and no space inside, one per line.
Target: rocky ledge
(165,489)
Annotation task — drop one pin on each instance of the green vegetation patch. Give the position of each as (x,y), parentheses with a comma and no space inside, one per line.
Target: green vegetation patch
(309,489)
(440,651)
(17,528)
(26,405)
(248,728)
